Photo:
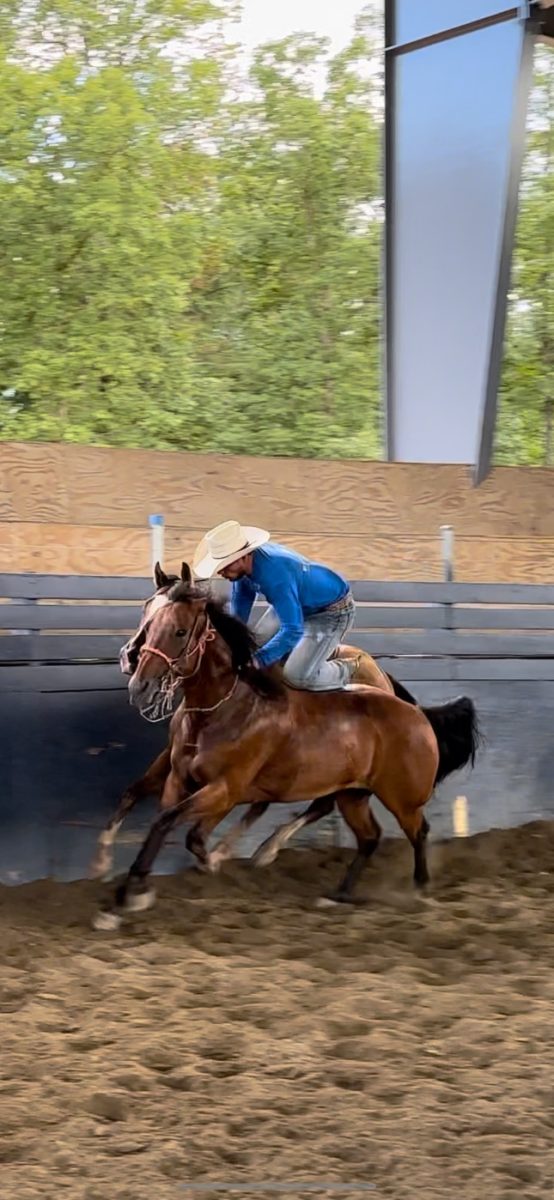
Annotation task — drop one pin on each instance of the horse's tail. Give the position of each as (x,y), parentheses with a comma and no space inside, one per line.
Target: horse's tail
(456,729)
(401,691)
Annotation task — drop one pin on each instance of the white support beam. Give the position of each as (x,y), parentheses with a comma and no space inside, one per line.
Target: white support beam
(457,79)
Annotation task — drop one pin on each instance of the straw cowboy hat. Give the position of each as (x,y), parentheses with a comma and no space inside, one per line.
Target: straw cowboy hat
(224,545)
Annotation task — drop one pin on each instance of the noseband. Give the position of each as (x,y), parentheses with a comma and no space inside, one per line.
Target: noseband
(162,706)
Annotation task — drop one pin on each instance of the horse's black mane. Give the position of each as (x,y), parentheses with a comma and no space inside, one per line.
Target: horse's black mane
(235,634)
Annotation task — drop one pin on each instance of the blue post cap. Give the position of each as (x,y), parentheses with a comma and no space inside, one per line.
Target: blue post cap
(155,519)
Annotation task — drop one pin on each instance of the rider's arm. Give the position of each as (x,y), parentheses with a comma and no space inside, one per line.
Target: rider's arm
(243,595)
(287,606)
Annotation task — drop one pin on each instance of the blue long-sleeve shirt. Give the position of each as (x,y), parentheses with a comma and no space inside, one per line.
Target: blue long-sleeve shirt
(295,587)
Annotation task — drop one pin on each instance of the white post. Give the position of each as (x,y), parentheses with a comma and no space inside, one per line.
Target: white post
(460,817)
(447,553)
(156,523)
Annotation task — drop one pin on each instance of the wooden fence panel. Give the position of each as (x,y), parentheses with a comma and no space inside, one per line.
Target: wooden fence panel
(64,647)
(408,592)
(493,617)
(455,645)
(75,587)
(67,616)
(71,677)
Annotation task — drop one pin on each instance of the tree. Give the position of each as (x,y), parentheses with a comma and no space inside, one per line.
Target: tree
(103,172)
(526,408)
(187,262)
(287,311)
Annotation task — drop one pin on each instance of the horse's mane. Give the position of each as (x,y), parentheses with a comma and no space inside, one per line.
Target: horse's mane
(235,634)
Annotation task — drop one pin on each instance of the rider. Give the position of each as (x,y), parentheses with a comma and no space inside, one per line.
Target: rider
(311,606)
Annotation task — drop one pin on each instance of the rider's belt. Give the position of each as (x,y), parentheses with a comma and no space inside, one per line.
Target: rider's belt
(338,605)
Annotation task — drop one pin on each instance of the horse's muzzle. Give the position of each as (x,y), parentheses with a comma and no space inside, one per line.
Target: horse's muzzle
(155,702)
(142,692)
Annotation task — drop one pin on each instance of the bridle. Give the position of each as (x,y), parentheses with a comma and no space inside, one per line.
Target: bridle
(163,704)
(198,648)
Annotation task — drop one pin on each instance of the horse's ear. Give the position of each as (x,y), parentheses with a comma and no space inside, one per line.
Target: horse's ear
(186,573)
(160,578)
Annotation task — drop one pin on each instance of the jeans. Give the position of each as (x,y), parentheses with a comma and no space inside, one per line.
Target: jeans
(307,665)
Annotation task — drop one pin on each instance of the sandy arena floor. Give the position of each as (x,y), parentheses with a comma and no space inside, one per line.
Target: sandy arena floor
(237,1033)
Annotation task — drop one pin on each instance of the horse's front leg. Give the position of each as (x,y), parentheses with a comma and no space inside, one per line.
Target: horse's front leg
(205,807)
(151,783)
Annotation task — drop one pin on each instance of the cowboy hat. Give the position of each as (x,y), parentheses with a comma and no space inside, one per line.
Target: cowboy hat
(224,545)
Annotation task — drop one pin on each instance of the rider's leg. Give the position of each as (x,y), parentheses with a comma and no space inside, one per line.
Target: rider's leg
(308,664)
(264,627)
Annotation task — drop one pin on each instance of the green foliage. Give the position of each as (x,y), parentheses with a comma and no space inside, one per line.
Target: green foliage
(99,229)
(191,258)
(186,262)
(525,432)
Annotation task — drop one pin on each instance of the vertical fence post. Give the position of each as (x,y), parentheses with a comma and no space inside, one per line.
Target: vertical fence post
(156,523)
(447,553)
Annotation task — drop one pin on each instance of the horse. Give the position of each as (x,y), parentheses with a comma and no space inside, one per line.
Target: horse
(242,735)
(367,671)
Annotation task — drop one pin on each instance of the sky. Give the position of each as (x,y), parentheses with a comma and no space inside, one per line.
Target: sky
(267,20)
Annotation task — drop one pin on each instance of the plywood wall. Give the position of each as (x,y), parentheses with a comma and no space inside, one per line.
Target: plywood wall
(84,510)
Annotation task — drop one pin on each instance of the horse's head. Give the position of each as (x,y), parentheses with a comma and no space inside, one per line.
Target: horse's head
(172,648)
(129,653)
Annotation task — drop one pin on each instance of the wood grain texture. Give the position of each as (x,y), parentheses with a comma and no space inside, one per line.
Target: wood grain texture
(105,550)
(74,550)
(84,510)
(33,482)
(88,485)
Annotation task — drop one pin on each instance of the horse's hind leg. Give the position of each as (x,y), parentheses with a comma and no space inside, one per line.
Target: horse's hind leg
(357,813)
(151,783)
(224,848)
(268,851)
(416,829)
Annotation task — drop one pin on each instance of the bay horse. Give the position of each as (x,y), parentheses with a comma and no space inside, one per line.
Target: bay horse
(243,735)
(367,671)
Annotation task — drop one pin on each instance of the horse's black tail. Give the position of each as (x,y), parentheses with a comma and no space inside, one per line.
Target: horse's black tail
(455,726)
(456,729)
(401,691)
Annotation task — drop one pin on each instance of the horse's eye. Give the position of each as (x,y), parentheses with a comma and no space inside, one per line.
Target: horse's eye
(181,633)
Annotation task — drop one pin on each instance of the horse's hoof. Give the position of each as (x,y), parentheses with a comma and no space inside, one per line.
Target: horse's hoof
(335,899)
(140,901)
(216,858)
(106,921)
(202,868)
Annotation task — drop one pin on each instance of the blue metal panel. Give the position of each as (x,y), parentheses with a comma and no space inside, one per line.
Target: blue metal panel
(422,18)
(453,111)
(55,801)
(67,759)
